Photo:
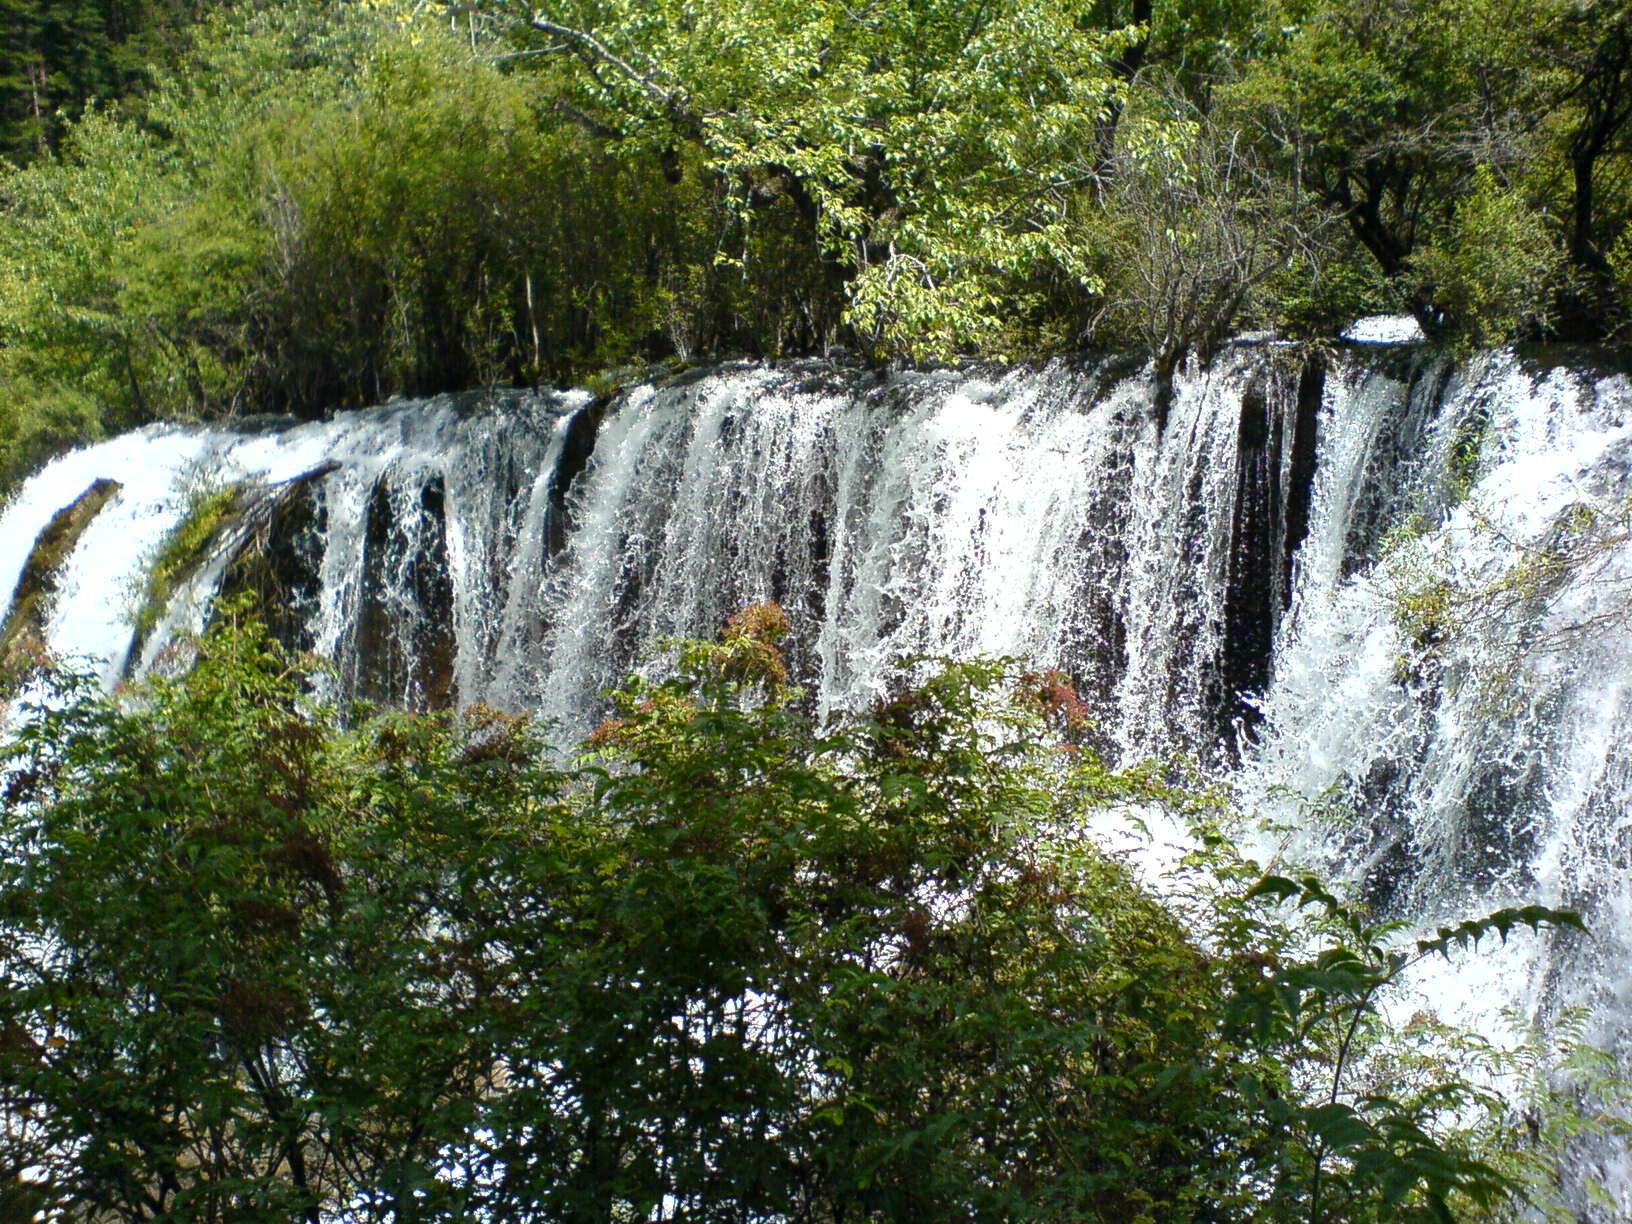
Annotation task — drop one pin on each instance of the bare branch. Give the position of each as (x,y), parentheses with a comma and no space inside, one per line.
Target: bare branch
(588,44)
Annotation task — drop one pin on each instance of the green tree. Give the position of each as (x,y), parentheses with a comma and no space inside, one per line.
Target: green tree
(262,962)
(237,983)
(1585,54)
(56,56)
(1384,111)
(1187,233)
(1467,146)
(928,148)
(70,364)
(322,210)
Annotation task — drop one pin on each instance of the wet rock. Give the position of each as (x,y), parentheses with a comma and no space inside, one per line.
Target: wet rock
(277,563)
(404,645)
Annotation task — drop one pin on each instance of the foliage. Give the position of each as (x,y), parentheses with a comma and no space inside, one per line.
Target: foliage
(264,962)
(205,967)
(928,149)
(1476,151)
(1350,1146)
(1500,598)
(1193,226)
(306,205)
(338,209)
(58,55)
(1493,265)
(209,512)
(1566,1097)
(65,359)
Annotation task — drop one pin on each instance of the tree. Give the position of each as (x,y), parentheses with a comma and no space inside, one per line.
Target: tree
(323,209)
(259,962)
(56,56)
(1188,232)
(1588,49)
(237,977)
(928,147)
(1383,111)
(1465,145)
(259,967)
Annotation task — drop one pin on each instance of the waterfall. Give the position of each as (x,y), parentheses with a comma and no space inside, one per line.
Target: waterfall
(1027,513)
(1484,764)
(420,526)
(1385,593)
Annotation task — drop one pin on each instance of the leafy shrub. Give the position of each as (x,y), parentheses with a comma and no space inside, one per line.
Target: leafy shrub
(1492,270)
(323,208)
(261,962)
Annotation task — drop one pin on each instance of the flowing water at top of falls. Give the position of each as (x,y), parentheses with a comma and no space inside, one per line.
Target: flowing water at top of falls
(453,554)
(1387,593)
(1023,514)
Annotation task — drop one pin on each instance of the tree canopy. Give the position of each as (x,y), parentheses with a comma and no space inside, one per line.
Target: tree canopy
(306,205)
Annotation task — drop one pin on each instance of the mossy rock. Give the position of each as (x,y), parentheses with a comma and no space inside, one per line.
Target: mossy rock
(22,635)
(276,568)
(190,541)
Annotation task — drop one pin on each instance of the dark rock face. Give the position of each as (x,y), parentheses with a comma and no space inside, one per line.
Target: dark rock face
(277,563)
(1304,461)
(1275,472)
(404,628)
(1255,594)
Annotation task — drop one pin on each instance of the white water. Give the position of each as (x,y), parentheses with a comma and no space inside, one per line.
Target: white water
(1032,513)
(495,468)
(1020,514)
(1492,768)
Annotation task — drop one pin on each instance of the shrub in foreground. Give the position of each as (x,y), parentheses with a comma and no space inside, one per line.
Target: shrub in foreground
(260,961)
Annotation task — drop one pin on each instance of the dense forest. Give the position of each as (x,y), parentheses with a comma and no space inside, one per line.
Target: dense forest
(298,207)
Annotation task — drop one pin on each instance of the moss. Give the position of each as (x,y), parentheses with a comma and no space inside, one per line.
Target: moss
(604,384)
(22,635)
(208,515)
(1467,450)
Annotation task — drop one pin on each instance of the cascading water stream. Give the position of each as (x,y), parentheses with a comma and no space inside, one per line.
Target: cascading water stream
(423,522)
(1453,686)
(1028,513)
(1327,577)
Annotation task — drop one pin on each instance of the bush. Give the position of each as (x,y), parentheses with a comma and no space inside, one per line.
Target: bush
(323,208)
(261,962)
(1493,270)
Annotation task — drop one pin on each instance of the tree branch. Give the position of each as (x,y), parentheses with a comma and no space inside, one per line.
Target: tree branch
(588,43)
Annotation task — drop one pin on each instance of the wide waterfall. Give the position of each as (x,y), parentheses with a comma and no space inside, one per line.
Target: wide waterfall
(1386,593)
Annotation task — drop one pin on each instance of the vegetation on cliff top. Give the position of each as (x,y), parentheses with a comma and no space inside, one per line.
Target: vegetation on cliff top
(304,205)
